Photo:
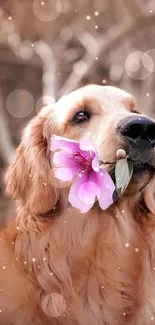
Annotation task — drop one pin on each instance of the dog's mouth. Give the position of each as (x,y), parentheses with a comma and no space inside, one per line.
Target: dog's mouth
(141,153)
(141,177)
(142,156)
(143,168)
(139,167)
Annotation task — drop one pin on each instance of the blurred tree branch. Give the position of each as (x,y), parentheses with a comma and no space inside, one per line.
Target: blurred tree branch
(48,64)
(44,51)
(89,43)
(6,146)
(115,35)
(134,10)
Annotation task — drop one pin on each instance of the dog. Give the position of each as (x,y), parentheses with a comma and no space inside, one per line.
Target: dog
(59,266)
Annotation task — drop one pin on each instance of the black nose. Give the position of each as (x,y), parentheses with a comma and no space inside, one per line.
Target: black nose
(139,127)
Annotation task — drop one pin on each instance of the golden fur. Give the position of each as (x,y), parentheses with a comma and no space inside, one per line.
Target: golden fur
(102,264)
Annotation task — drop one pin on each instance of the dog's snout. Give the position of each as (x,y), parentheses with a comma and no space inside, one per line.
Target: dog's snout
(139,127)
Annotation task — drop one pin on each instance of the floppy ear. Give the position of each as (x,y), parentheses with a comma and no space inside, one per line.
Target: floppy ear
(30,180)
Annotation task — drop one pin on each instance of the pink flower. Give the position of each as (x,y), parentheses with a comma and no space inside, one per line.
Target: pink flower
(79,161)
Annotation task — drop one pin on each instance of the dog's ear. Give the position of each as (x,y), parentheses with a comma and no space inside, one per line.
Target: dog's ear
(30,180)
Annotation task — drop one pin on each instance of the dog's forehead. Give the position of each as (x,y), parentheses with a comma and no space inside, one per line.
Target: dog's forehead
(106,96)
(103,93)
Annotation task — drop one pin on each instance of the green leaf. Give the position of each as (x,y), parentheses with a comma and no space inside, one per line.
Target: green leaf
(123,174)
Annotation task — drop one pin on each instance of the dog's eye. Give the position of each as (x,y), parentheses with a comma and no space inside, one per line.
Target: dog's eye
(80,117)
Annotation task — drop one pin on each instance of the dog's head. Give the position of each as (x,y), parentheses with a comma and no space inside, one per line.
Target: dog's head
(107,116)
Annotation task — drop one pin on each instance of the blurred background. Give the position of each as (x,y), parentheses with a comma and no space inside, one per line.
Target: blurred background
(50,47)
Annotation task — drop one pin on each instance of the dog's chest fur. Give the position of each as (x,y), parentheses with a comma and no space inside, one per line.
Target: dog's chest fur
(102,265)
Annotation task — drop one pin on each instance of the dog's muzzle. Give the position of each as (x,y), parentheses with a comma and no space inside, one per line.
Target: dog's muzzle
(138,134)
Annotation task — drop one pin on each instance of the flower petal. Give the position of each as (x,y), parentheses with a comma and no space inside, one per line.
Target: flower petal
(89,189)
(63,173)
(74,197)
(62,158)
(86,145)
(64,166)
(63,143)
(95,163)
(107,188)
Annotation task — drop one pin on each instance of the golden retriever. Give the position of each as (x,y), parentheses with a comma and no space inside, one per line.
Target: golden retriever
(58,266)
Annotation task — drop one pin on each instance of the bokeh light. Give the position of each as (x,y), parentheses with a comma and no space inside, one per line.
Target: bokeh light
(47,10)
(54,305)
(134,65)
(43,101)
(20,103)
(149,63)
